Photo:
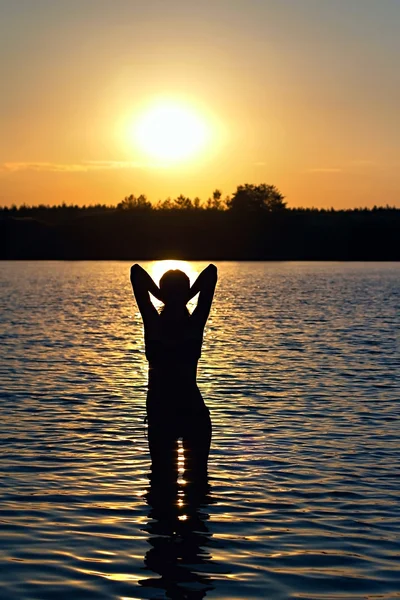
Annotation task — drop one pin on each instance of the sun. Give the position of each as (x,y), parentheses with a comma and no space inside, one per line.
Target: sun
(171,132)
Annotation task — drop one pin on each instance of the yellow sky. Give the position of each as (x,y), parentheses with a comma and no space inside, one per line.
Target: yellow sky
(300,95)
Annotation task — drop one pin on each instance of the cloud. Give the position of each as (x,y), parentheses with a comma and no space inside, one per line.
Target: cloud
(351,166)
(325,170)
(363,163)
(83,167)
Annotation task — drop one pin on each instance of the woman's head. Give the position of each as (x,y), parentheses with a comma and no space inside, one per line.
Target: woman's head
(175,287)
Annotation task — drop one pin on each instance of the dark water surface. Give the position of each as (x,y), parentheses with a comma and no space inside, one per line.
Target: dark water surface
(300,370)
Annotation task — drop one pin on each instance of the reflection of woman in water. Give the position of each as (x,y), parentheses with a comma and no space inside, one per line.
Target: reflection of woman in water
(173,339)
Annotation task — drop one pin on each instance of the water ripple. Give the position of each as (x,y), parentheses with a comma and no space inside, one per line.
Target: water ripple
(300,371)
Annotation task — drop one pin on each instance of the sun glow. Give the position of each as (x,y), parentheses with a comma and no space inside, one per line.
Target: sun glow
(171,132)
(159,267)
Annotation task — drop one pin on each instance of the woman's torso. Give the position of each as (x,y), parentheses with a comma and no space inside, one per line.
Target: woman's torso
(173,348)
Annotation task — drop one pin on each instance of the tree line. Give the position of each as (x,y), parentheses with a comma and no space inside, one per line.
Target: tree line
(246,197)
(254,223)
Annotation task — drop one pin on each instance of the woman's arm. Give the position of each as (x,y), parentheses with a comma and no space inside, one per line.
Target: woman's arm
(205,284)
(142,284)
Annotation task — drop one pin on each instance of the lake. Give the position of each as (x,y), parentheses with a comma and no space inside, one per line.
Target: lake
(300,371)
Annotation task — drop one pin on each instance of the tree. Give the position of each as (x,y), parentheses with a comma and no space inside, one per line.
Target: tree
(180,203)
(256,198)
(133,203)
(217,195)
(183,202)
(216,203)
(164,204)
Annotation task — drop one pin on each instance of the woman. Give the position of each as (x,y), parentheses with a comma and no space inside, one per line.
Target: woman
(173,340)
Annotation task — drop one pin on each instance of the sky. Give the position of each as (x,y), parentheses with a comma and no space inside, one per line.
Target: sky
(301,94)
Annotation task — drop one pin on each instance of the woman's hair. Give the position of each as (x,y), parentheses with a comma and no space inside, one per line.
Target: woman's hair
(175,286)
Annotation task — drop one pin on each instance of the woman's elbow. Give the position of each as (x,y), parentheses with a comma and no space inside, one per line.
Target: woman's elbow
(135,269)
(213,271)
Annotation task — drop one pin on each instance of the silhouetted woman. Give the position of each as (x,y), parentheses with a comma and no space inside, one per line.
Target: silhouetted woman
(173,340)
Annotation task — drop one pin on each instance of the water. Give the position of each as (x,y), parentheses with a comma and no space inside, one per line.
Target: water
(300,372)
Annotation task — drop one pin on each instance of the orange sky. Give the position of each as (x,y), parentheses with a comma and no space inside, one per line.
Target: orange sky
(302,95)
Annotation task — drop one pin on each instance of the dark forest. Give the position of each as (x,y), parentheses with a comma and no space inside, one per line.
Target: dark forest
(252,224)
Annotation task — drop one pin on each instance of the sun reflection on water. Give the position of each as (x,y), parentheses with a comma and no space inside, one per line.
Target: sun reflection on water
(159,267)
(178,558)
(302,392)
